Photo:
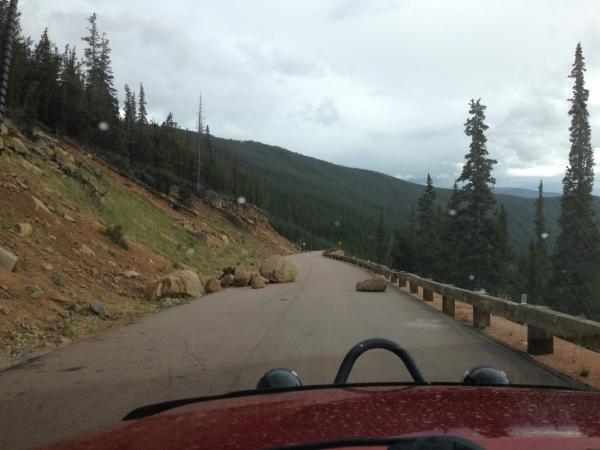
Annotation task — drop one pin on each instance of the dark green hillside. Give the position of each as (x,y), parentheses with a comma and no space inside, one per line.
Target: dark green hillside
(306,197)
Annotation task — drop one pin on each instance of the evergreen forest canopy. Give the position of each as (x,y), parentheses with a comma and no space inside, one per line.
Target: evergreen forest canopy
(546,247)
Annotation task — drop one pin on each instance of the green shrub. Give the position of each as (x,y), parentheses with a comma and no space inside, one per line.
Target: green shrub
(116,235)
(58,280)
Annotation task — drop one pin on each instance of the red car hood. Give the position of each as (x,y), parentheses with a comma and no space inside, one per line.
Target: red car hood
(495,418)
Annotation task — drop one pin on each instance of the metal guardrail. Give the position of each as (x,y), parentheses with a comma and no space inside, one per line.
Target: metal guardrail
(542,322)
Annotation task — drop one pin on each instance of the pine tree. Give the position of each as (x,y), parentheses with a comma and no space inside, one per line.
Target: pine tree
(102,103)
(477,202)
(539,268)
(44,97)
(380,237)
(142,116)
(72,94)
(451,268)
(427,232)
(576,268)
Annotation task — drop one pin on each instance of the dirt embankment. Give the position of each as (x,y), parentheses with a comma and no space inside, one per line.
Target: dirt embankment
(56,201)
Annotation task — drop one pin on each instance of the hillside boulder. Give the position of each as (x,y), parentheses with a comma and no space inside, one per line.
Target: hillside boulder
(212,285)
(241,278)
(23,229)
(8,260)
(257,282)
(372,285)
(277,269)
(226,280)
(179,283)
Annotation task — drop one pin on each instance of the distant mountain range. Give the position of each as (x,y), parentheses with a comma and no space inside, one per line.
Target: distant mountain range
(321,204)
(523,193)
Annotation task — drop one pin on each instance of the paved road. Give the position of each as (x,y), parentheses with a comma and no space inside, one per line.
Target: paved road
(225,341)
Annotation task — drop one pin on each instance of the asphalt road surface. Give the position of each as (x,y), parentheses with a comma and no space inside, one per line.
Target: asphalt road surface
(226,341)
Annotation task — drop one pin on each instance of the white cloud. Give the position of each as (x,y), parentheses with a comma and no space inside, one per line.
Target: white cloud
(546,171)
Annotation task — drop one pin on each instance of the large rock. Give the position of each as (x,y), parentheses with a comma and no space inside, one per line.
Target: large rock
(180,283)
(98,308)
(338,252)
(17,145)
(212,285)
(241,278)
(257,282)
(277,269)
(372,285)
(40,205)
(8,260)
(227,280)
(23,229)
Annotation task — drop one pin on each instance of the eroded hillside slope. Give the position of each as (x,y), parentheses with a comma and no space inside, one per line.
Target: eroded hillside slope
(56,202)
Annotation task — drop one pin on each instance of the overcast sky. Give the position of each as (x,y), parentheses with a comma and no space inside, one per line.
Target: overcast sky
(376,84)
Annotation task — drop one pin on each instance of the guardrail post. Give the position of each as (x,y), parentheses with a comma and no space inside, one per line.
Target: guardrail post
(481,318)
(414,287)
(448,305)
(427,295)
(539,341)
(394,278)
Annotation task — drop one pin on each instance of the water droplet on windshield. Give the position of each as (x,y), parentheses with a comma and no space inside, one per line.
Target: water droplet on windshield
(241,200)
(336,223)
(452,212)
(471,277)
(544,235)
(103,126)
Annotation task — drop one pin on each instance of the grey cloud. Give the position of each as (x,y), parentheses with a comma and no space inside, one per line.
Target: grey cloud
(380,84)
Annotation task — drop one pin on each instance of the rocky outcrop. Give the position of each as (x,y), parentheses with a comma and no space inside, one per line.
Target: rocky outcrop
(372,285)
(8,260)
(277,269)
(212,285)
(180,283)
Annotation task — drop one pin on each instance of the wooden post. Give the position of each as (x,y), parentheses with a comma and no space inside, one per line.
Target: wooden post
(448,305)
(414,287)
(539,341)
(427,295)
(394,279)
(481,318)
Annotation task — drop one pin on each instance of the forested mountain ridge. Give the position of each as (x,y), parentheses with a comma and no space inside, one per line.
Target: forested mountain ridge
(306,196)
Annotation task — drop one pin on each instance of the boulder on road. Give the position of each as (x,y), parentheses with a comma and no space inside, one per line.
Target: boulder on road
(277,269)
(180,283)
(226,280)
(241,278)
(212,285)
(8,260)
(372,285)
(257,282)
